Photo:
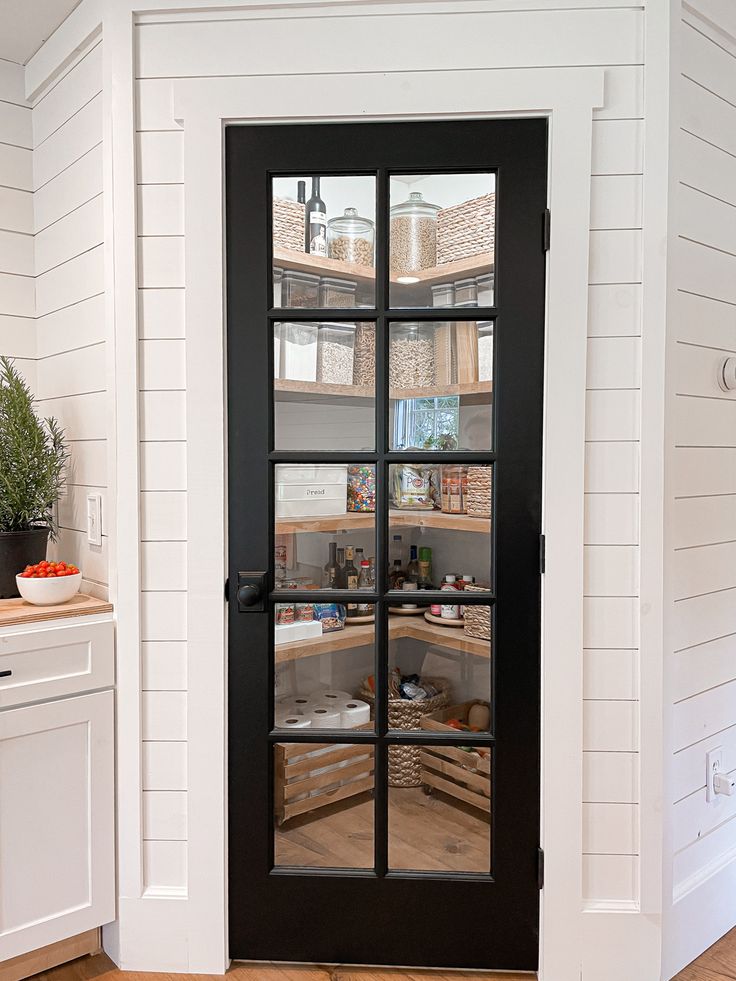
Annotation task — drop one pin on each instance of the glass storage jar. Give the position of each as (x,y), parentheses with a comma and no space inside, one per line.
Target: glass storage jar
(335,354)
(350,238)
(298,351)
(485,290)
(337,292)
(299,289)
(364,367)
(454,488)
(443,295)
(466,293)
(411,355)
(278,275)
(413,235)
(485,350)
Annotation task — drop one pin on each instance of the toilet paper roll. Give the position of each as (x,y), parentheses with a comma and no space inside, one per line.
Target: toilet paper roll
(293,722)
(324,717)
(331,696)
(354,713)
(295,704)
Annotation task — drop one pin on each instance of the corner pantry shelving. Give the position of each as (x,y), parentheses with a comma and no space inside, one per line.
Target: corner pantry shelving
(355,520)
(361,636)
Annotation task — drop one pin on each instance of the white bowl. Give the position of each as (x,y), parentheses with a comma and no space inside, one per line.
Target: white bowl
(49,592)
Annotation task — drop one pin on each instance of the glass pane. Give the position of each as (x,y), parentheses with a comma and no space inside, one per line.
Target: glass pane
(325,526)
(440,667)
(442,237)
(439,524)
(323,806)
(441,385)
(324,386)
(324,241)
(443,824)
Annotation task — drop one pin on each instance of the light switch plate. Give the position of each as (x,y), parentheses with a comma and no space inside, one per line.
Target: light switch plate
(94,519)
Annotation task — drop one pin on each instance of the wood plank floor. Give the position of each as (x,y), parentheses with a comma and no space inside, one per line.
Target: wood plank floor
(433,833)
(718,963)
(101,968)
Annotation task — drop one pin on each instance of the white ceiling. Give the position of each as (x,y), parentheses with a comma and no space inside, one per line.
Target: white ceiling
(26,24)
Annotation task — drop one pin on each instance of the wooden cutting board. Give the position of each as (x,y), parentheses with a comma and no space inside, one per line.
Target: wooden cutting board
(17,610)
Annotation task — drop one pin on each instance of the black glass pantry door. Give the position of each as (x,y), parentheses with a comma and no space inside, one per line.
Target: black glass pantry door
(385,298)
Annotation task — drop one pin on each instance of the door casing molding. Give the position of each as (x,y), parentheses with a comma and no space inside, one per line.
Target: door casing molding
(203,107)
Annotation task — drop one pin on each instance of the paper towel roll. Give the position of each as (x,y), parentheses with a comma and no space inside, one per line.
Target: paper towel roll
(293,722)
(354,713)
(324,717)
(332,695)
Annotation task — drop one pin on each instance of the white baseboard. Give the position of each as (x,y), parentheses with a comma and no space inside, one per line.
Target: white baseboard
(621,943)
(703,913)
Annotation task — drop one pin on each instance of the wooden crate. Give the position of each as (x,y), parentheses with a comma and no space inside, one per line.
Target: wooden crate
(301,785)
(461,773)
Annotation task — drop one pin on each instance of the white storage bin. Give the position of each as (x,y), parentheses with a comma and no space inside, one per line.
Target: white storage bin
(310,490)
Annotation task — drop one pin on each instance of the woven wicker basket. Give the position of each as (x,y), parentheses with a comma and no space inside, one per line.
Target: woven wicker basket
(288,224)
(477,618)
(404,762)
(478,496)
(466,229)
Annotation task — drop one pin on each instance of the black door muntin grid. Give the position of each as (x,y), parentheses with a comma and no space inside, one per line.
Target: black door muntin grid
(258,259)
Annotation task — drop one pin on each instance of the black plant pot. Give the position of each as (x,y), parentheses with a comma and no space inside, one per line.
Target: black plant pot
(17,550)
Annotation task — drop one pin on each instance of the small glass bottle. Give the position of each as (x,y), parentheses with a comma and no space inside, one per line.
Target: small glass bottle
(397,575)
(341,582)
(449,611)
(412,570)
(365,581)
(425,567)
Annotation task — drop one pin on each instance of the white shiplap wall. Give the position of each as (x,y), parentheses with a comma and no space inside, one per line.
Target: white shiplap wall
(221,43)
(70,325)
(703,444)
(17,297)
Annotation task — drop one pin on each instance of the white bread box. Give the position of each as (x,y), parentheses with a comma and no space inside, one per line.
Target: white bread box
(311,490)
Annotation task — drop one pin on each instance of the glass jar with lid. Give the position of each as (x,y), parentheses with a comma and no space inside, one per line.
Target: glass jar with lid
(413,235)
(350,238)
(411,355)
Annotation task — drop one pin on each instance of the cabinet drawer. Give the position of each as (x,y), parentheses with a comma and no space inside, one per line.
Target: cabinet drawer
(63,660)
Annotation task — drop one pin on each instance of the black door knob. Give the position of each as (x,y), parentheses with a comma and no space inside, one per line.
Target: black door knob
(248,595)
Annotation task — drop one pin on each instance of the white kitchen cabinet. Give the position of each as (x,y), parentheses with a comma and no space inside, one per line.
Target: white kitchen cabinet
(57,846)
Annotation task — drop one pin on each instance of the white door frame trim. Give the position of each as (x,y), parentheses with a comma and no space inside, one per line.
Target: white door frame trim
(203,106)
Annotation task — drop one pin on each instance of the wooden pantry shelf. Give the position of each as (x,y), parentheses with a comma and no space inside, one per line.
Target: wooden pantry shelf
(416,628)
(292,387)
(475,265)
(356,520)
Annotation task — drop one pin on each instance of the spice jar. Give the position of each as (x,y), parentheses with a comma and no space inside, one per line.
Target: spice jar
(364,366)
(350,238)
(335,346)
(411,355)
(485,351)
(413,244)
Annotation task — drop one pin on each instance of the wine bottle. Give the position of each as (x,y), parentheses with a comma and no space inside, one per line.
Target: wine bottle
(340,580)
(329,572)
(351,581)
(315,222)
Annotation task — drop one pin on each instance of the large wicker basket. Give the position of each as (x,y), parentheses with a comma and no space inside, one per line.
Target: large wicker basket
(288,224)
(466,229)
(477,619)
(404,762)
(478,497)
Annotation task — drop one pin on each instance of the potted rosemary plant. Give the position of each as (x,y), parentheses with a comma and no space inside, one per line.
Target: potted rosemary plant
(33,455)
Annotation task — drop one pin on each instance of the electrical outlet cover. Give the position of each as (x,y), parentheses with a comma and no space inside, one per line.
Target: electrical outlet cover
(713,765)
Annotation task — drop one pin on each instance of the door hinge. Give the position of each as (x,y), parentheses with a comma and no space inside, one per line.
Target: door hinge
(546,223)
(542,553)
(540,868)
(227,590)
